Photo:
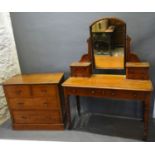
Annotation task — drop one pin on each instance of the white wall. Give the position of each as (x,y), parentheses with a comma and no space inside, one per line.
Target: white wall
(9,64)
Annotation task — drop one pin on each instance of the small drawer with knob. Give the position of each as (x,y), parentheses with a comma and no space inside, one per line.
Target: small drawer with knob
(17,91)
(137,70)
(81,69)
(44,90)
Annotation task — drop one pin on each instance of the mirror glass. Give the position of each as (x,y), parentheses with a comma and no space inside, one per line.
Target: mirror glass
(108,38)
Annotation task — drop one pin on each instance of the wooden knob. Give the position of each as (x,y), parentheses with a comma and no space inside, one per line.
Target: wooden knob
(24,117)
(74,90)
(18,92)
(135,95)
(20,103)
(112,93)
(43,90)
(92,91)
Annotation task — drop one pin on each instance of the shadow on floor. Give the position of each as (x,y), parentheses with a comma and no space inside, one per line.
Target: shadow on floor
(114,126)
(88,128)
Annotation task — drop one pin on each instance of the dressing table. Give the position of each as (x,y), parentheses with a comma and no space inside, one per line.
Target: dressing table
(109,70)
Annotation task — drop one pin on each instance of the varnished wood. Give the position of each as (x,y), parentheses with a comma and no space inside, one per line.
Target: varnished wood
(67,110)
(35,103)
(81,69)
(17,91)
(137,70)
(110,86)
(134,85)
(38,126)
(146,116)
(110,82)
(140,91)
(78,105)
(137,64)
(45,78)
(80,64)
(46,90)
(37,117)
(106,93)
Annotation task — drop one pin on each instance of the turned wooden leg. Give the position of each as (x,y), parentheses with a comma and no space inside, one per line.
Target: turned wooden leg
(78,104)
(146,117)
(68,114)
(143,110)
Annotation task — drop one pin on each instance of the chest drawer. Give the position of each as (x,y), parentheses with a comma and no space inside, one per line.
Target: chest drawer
(33,103)
(17,91)
(44,90)
(34,117)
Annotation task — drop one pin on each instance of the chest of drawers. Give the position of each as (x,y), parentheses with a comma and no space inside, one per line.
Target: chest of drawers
(34,101)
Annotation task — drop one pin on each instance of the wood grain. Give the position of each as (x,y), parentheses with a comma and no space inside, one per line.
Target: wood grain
(34,101)
(109,82)
(34,79)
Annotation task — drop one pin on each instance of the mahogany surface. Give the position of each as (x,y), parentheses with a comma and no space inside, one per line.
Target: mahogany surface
(134,85)
(109,86)
(34,101)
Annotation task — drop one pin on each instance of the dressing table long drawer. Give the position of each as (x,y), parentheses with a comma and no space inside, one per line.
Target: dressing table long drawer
(126,94)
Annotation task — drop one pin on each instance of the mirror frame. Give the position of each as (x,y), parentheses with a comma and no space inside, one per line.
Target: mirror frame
(117,22)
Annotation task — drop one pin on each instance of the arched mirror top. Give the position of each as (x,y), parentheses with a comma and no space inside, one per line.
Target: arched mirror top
(108,39)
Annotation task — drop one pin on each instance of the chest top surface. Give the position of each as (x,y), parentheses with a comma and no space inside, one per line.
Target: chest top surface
(46,78)
(105,81)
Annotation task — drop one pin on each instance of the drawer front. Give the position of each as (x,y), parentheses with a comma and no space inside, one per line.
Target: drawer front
(36,117)
(81,71)
(137,73)
(44,90)
(33,103)
(137,70)
(137,76)
(107,93)
(18,91)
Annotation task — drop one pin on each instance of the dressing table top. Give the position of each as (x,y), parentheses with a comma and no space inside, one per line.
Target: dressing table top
(105,81)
